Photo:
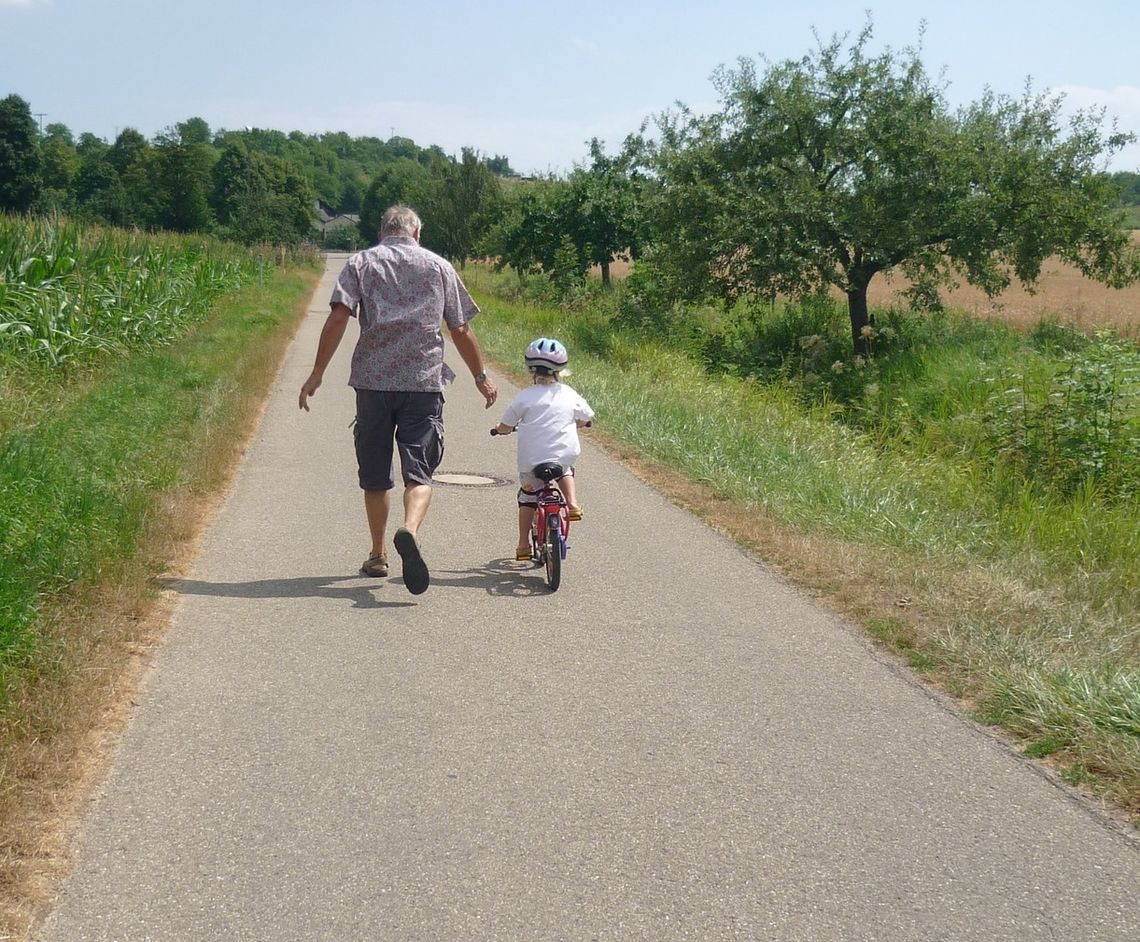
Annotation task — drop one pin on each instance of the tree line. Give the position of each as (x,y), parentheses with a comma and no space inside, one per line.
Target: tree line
(252,185)
(814,175)
(822,173)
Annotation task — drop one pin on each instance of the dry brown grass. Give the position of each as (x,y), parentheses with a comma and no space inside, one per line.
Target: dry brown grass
(67,725)
(1063,292)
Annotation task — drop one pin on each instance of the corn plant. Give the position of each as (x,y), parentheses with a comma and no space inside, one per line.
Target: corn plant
(68,293)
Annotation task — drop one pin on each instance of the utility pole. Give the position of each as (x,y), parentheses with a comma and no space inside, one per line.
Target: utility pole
(41,115)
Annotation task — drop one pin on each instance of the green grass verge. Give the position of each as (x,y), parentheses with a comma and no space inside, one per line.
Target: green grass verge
(1026,605)
(86,463)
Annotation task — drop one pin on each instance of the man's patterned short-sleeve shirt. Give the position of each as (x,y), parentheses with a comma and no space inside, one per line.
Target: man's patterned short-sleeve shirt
(402,294)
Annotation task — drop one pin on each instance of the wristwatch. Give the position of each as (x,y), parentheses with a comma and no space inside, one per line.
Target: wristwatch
(481,378)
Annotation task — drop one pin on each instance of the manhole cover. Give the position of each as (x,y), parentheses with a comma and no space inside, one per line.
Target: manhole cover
(468,480)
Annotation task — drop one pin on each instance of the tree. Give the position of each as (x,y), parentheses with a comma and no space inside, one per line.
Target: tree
(95,188)
(20,180)
(184,166)
(604,218)
(528,232)
(193,131)
(831,169)
(129,146)
(403,181)
(351,193)
(1128,185)
(90,145)
(499,165)
(260,198)
(459,205)
(59,163)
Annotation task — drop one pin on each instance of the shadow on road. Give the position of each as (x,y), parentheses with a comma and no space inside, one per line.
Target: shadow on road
(503,577)
(304,587)
(496,577)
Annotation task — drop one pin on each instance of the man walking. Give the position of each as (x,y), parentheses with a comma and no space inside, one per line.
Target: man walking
(403,294)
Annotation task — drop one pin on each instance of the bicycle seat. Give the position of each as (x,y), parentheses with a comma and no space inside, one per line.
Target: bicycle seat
(548,471)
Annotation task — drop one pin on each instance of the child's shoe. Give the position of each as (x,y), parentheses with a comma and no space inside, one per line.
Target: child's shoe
(574,513)
(523,554)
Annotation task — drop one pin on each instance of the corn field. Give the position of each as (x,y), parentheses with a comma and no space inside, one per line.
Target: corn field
(120,353)
(68,292)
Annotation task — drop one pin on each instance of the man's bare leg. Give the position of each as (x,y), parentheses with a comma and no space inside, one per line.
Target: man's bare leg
(376,507)
(417,499)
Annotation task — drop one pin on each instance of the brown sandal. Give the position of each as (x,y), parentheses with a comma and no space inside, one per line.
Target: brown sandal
(376,565)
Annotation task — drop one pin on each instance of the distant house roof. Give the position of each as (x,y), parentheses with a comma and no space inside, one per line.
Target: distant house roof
(329,220)
(341,221)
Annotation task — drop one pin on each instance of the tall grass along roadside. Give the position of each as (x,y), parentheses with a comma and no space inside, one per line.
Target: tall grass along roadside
(75,472)
(906,502)
(113,419)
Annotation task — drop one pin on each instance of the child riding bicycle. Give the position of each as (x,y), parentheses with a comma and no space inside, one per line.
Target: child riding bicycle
(547,416)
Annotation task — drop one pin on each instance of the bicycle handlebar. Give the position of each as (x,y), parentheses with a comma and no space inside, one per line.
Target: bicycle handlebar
(495,431)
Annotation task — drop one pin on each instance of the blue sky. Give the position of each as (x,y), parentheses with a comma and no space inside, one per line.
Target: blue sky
(534,81)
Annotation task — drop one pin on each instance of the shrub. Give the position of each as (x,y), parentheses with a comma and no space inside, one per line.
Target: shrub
(1077,425)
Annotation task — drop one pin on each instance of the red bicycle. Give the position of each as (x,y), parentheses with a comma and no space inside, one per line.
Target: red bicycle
(550,527)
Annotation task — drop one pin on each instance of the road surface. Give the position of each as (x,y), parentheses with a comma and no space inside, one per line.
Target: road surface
(676,745)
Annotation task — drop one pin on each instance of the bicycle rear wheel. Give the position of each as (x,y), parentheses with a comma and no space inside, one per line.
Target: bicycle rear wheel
(553,551)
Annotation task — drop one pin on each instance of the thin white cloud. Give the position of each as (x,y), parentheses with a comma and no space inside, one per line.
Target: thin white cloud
(597,54)
(590,48)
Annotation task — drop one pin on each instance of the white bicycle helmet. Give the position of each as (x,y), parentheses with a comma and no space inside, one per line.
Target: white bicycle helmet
(547,354)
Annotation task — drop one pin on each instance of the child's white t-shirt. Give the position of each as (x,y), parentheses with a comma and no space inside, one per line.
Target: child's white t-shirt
(545,415)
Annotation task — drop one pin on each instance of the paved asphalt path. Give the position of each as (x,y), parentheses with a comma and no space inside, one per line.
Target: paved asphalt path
(675,745)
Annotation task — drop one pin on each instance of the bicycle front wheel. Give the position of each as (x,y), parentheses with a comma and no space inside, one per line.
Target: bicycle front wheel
(553,552)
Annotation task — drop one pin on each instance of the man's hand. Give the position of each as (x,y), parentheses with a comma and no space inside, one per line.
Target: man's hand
(326,347)
(464,339)
(309,388)
(490,393)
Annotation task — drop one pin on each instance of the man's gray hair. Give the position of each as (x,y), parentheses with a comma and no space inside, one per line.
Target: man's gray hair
(399,220)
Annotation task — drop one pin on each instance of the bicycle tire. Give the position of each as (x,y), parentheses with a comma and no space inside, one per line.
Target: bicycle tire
(553,550)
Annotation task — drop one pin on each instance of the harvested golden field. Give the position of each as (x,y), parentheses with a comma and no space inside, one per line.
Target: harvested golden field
(1062,292)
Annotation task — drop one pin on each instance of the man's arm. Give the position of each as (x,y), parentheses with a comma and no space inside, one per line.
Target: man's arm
(331,335)
(464,339)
